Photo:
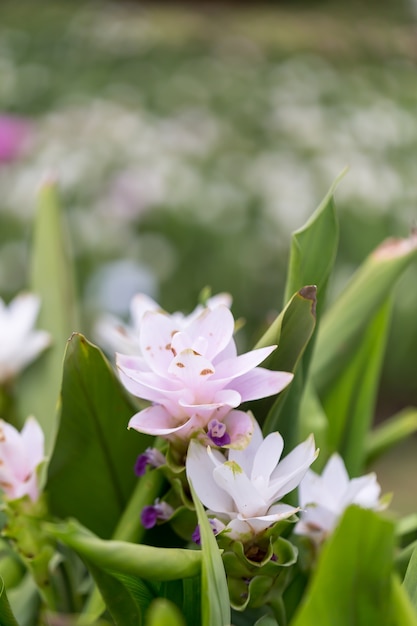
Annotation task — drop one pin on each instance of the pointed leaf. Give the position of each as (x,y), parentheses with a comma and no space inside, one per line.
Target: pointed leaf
(215,604)
(292,330)
(402,610)
(313,249)
(91,474)
(352,582)
(51,279)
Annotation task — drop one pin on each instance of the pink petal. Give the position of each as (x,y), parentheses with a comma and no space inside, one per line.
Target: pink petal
(231,368)
(217,326)
(156,420)
(34,442)
(239,426)
(261,383)
(156,332)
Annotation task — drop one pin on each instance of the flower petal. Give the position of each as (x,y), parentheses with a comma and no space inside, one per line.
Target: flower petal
(261,383)
(199,467)
(217,325)
(267,457)
(234,481)
(291,470)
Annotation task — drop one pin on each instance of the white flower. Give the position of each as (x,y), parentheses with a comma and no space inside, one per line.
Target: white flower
(19,343)
(116,336)
(323,499)
(244,490)
(20,455)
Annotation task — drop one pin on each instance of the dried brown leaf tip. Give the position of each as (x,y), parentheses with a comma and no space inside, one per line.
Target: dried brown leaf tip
(395,247)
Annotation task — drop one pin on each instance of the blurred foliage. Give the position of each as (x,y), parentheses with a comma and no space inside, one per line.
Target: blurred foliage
(189,143)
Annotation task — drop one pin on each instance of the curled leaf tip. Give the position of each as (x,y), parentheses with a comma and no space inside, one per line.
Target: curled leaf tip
(309,292)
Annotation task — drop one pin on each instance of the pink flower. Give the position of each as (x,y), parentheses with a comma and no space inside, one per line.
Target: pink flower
(195,379)
(14,133)
(20,455)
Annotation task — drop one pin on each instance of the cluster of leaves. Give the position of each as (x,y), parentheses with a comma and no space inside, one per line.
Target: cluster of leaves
(361,576)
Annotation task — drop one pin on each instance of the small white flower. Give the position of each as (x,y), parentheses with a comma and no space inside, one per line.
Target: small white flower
(19,342)
(244,490)
(20,455)
(323,499)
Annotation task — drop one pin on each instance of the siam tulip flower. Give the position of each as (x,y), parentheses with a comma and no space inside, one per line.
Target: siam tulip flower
(195,379)
(19,342)
(323,499)
(244,490)
(115,336)
(20,455)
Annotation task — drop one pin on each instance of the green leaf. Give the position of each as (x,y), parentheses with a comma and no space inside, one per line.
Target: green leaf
(352,582)
(390,432)
(6,616)
(402,612)
(410,580)
(292,330)
(313,249)
(126,597)
(124,558)
(215,604)
(52,279)
(91,473)
(163,612)
(344,324)
(350,401)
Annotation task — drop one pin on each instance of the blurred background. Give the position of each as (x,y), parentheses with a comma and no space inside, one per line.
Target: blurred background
(189,141)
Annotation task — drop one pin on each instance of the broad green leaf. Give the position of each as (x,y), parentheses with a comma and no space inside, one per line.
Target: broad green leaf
(163,612)
(352,582)
(91,473)
(350,401)
(410,580)
(52,279)
(215,604)
(292,331)
(6,616)
(390,432)
(124,558)
(343,326)
(126,597)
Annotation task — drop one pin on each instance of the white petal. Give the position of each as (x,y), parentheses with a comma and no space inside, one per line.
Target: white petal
(267,457)
(234,481)
(34,441)
(199,467)
(245,457)
(291,470)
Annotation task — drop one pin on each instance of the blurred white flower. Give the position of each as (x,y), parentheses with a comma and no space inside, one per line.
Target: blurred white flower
(116,336)
(20,455)
(323,499)
(19,342)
